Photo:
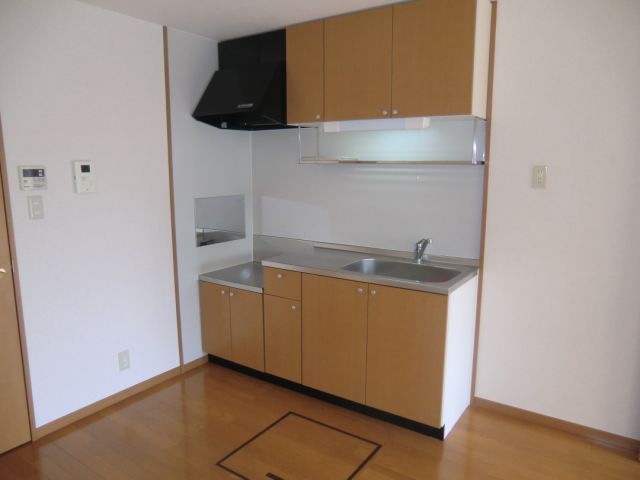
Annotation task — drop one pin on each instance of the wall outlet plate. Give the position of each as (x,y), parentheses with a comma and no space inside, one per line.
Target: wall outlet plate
(539,178)
(123,360)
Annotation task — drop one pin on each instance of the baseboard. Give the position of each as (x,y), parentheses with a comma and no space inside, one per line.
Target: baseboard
(187,367)
(627,446)
(73,417)
(407,423)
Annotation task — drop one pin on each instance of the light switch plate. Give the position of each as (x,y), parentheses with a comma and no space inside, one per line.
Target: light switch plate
(539,178)
(36,207)
(123,360)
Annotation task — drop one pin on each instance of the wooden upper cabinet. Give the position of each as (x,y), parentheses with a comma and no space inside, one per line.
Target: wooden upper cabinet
(334,336)
(413,59)
(216,319)
(405,353)
(305,72)
(440,57)
(358,65)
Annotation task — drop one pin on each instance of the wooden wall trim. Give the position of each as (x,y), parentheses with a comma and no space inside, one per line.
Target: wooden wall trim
(485,194)
(174,248)
(187,367)
(624,445)
(4,175)
(73,417)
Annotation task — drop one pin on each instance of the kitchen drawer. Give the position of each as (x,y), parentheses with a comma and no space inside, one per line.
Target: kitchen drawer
(282,283)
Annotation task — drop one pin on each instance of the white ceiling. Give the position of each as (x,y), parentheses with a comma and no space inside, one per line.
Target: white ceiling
(224,19)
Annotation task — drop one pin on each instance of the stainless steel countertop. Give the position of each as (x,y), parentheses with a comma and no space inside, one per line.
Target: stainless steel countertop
(246,276)
(328,262)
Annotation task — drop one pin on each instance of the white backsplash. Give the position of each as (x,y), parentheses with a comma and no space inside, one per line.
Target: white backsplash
(383,206)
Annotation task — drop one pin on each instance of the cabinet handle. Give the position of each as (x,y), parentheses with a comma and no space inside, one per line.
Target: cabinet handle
(317,116)
(373,292)
(360,289)
(279,276)
(385,112)
(293,307)
(394,112)
(221,292)
(231,294)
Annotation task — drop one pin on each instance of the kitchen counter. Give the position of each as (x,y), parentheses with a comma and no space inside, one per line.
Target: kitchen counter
(322,261)
(246,276)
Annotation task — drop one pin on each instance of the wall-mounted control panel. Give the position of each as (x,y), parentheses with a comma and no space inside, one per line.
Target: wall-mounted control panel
(32,177)
(84,176)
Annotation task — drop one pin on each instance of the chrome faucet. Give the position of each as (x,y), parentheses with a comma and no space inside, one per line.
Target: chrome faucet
(420,248)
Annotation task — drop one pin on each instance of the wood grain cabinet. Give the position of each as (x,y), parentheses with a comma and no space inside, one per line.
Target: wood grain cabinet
(358,50)
(283,323)
(216,319)
(406,352)
(232,324)
(283,338)
(282,283)
(419,58)
(334,336)
(440,57)
(305,72)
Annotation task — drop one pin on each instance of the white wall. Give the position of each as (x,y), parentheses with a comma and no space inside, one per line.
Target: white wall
(560,326)
(381,206)
(206,162)
(77,82)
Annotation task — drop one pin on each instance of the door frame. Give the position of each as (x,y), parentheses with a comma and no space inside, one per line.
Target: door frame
(16,281)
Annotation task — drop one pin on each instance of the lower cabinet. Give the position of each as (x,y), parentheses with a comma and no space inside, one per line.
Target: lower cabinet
(406,352)
(406,337)
(247,329)
(283,338)
(232,324)
(215,319)
(334,336)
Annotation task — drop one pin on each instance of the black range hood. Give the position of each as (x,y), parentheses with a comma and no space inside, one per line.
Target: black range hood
(248,92)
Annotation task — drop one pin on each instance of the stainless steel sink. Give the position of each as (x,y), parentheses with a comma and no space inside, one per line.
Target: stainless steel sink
(402,270)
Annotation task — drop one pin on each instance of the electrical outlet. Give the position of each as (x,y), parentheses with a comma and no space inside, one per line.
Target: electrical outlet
(539,179)
(123,360)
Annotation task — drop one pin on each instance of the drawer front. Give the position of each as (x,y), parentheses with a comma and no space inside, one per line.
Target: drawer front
(282,283)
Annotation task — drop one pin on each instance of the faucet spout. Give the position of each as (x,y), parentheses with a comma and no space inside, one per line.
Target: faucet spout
(421,246)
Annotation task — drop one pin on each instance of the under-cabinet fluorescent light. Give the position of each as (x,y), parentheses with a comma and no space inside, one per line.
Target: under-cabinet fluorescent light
(412,123)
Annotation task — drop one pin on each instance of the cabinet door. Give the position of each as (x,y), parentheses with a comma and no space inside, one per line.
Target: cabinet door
(433,54)
(334,336)
(247,330)
(358,65)
(305,72)
(405,360)
(283,338)
(214,315)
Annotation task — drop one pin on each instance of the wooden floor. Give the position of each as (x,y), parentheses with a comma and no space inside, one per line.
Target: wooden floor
(182,428)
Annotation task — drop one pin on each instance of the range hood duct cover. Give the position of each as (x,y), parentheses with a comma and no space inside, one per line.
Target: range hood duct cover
(248,92)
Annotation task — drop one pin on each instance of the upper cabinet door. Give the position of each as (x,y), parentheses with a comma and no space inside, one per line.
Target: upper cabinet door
(433,58)
(305,72)
(358,65)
